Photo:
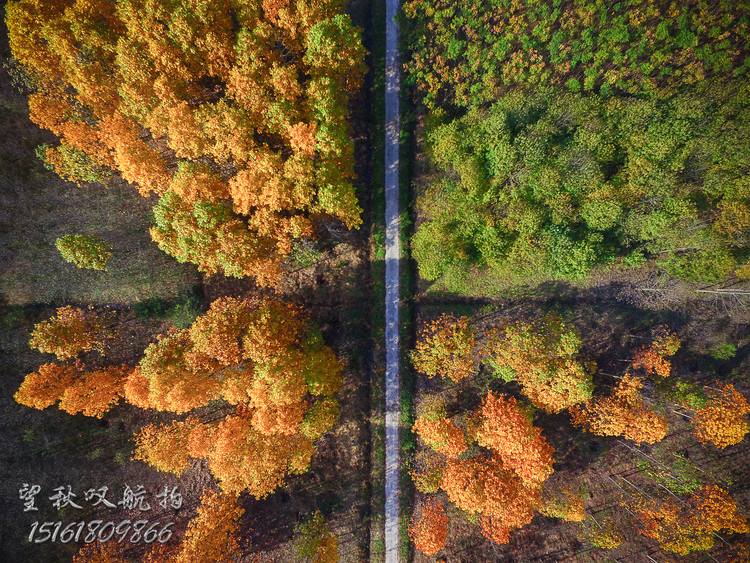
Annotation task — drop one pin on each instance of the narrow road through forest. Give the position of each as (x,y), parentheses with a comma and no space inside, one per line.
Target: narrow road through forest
(392,255)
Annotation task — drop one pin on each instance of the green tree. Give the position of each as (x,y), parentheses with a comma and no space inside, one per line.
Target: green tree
(543,358)
(85,251)
(553,184)
(314,542)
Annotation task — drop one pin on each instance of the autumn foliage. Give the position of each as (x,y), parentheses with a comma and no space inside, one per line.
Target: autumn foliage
(91,393)
(212,536)
(442,435)
(426,471)
(445,349)
(542,357)
(567,505)
(314,541)
(429,532)
(258,356)
(501,482)
(70,332)
(520,445)
(624,413)
(206,103)
(652,358)
(605,535)
(100,553)
(690,526)
(722,421)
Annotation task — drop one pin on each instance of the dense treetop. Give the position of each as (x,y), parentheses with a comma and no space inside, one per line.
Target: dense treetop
(555,183)
(240,105)
(469,53)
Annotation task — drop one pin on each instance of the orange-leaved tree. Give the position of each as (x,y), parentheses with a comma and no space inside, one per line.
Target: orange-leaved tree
(438,431)
(212,536)
(722,421)
(566,504)
(70,332)
(100,553)
(91,393)
(624,413)
(314,541)
(274,375)
(241,105)
(543,358)
(506,430)
(445,348)
(652,358)
(67,334)
(690,525)
(500,479)
(429,531)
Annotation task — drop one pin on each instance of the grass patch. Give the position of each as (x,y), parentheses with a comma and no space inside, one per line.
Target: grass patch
(37,207)
(10,318)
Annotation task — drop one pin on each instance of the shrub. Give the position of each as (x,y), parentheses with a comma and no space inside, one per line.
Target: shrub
(85,251)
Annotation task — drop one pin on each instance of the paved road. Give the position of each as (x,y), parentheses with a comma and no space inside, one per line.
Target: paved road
(392,252)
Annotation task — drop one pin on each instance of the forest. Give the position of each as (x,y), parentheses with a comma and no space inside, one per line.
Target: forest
(231,122)
(192,318)
(579,175)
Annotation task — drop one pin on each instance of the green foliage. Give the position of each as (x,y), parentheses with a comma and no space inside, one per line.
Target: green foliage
(209,235)
(710,266)
(685,393)
(151,308)
(553,184)
(506,373)
(724,351)
(71,164)
(468,54)
(313,541)
(304,254)
(10,318)
(21,80)
(41,153)
(321,418)
(681,477)
(85,251)
(604,535)
(634,259)
(184,312)
(573,84)
(432,408)
(543,357)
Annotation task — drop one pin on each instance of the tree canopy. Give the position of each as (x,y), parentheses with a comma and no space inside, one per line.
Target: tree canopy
(542,357)
(552,184)
(260,357)
(237,105)
(471,53)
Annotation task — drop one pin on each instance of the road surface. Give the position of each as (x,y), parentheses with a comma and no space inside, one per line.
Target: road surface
(392,254)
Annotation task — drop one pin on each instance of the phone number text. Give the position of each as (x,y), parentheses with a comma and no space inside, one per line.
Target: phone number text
(101,531)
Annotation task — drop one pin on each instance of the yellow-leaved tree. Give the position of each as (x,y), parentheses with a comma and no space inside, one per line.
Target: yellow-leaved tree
(624,413)
(270,369)
(722,421)
(233,111)
(543,357)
